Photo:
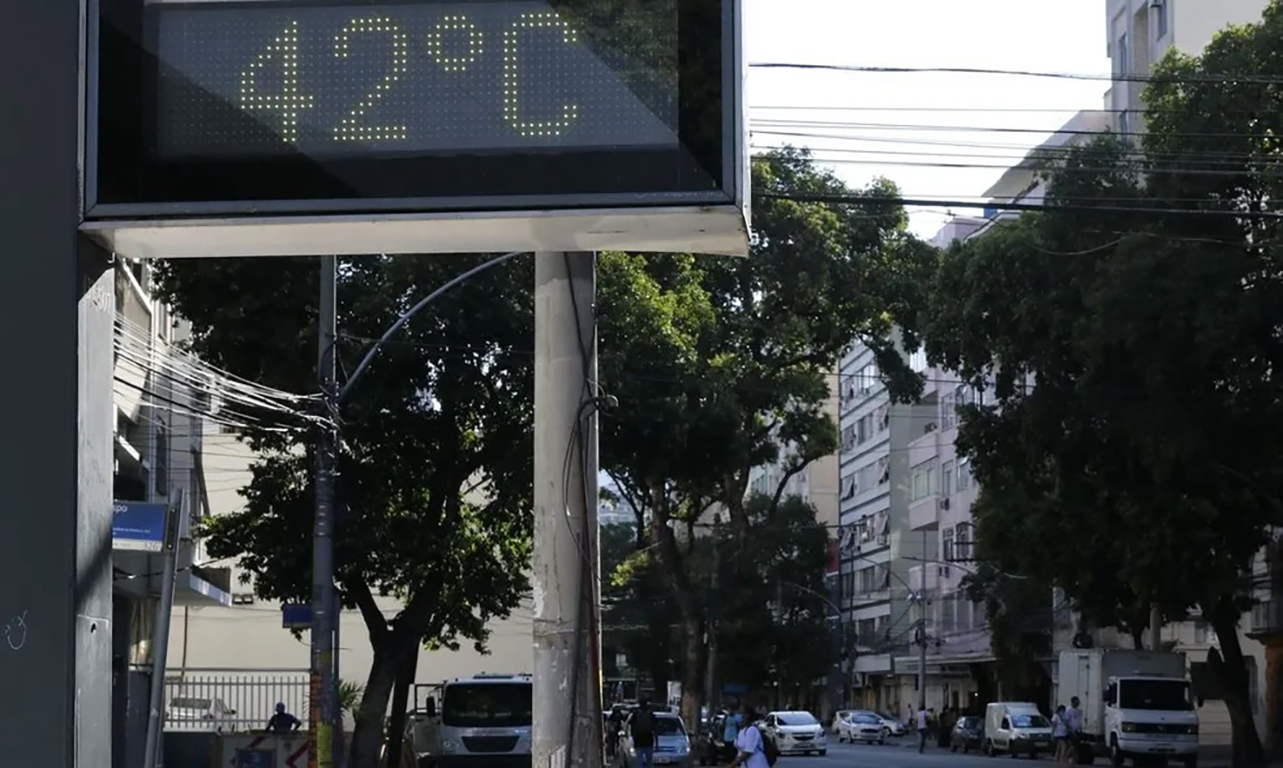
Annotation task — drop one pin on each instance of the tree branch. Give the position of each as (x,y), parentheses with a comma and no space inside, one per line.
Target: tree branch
(789,474)
(375,621)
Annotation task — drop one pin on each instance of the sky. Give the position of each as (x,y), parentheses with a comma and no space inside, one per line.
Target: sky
(1066,37)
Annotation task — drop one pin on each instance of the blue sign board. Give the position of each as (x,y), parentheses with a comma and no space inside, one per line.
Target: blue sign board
(138,526)
(296,616)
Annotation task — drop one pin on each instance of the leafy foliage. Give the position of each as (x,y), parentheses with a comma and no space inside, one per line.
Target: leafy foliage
(1020,617)
(442,411)
(721,365)
(1131,451)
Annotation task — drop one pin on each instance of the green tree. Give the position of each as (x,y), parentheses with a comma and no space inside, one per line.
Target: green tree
(1133,458)
(723,365)
(1019,615)
(443,411)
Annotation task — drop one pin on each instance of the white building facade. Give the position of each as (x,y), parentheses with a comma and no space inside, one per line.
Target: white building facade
(877,549)
(1141,31)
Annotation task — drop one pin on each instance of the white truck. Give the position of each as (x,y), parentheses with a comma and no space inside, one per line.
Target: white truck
(482,721)
(1135,704)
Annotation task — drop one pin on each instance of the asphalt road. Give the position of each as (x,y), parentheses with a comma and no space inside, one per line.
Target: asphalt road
(903,752)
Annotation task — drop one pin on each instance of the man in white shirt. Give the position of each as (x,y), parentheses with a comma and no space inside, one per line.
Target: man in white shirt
(1074,718)
(922,726)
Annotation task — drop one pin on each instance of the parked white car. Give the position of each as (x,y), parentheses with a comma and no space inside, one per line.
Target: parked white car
(862,726)
(796,733)
(199,714)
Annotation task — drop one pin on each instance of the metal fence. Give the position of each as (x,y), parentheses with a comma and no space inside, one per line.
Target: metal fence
(233,699)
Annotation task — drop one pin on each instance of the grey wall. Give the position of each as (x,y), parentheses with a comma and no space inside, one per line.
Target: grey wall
(55,455)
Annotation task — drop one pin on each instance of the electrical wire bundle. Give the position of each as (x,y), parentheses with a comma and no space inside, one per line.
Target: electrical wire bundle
(162,373)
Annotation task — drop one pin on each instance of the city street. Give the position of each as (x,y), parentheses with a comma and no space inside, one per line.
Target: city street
(902,752)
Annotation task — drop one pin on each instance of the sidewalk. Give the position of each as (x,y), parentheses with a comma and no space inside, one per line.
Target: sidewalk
(1209,756)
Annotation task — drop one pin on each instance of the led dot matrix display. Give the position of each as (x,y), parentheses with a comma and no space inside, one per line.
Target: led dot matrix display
(280,78)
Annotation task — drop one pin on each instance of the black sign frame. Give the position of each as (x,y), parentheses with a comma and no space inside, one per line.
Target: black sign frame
(728,158)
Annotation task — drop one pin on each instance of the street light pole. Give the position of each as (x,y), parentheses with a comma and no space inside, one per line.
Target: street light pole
(323,702)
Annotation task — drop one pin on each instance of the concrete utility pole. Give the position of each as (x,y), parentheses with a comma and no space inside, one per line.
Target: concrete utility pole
(56,457)
(323,703)
(567,653)
(1155,628)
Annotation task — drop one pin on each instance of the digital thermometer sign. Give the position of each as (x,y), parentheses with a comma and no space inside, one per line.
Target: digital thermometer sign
(228,109)
(466,77)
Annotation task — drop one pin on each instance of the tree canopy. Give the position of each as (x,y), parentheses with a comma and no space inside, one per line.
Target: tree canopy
(434,472)
(724,365)
(1128,338)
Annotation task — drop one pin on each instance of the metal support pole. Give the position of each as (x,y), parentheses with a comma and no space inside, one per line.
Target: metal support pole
(713,694)
(322,710)
(567,729)
(1155,628)
(922,636)
(160,640)
(340,737)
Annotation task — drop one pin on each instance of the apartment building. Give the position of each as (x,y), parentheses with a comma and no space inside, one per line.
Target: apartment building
(877,549)
(817,484)
(1141,32)
(941,491)
(160,480)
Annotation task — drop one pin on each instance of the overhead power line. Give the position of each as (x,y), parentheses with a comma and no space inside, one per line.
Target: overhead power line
(1115,77)
(1000,206)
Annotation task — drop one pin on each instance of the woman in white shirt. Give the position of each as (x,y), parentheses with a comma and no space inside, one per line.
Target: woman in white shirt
(1060,732)
(750,752)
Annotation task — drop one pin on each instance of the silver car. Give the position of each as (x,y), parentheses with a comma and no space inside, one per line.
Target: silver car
(672,744)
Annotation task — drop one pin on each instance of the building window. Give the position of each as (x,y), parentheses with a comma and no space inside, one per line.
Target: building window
(946,477)
(948,412)
(864,429)
(1160,18)
(884,417)
(924,480)
(867,580)
(963,540)
(848,487)
(964,475)
(866,632)
(1123,64)
(946,545)
(884,470)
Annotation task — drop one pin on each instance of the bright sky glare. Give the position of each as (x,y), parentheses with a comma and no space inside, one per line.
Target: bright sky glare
(991,34)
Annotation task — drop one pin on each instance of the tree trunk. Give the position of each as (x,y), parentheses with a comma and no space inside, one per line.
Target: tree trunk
(693,671)
(367,737)
(1230,668)
(400,703)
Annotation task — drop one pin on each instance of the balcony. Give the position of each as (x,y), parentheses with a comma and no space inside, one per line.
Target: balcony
(1267,619)
(924,514)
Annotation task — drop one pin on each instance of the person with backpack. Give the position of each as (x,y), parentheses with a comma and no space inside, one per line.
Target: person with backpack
(751,749)
(641,729)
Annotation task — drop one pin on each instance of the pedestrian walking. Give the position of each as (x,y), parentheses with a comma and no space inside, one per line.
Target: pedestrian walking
(750,750)
(641,727)
(923,725)
(1060,733)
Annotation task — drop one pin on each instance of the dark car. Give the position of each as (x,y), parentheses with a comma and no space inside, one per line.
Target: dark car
(968,733)
(712,749)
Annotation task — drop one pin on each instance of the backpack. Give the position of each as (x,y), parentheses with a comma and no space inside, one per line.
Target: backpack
(771,751)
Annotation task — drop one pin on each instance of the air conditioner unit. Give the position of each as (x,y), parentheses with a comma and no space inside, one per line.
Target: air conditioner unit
(1156,3)
(944,503)
(943,571)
